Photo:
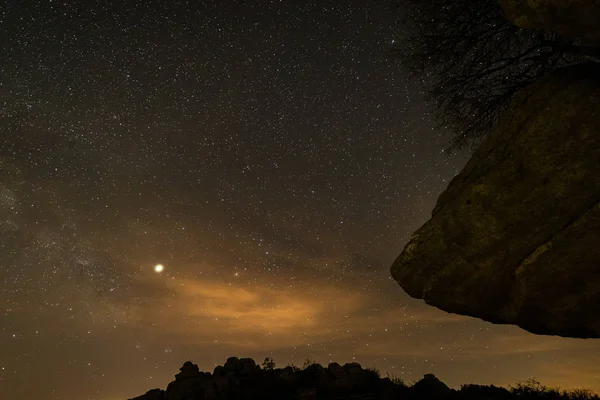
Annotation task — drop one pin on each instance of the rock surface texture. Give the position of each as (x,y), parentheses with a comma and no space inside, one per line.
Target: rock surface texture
(575,19)
(515,238)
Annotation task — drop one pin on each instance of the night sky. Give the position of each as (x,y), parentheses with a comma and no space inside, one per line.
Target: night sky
(270,157)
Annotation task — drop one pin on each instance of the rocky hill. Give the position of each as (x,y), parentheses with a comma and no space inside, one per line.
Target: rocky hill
(242,378)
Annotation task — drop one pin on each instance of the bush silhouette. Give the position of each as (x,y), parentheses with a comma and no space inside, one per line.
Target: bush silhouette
(268,364)
(308,362)
(473,62)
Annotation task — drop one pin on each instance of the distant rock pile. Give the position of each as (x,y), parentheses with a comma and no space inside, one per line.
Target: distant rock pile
(241,378)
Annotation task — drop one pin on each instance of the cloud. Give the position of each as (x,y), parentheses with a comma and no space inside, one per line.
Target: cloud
(268,314)
(206,308)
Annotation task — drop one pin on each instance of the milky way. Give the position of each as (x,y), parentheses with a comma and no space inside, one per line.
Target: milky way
(271,158)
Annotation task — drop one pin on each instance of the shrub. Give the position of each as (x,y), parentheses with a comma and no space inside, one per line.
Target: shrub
(294,367)
(395,379)
(374,371)
(580,394)
(268,364)
(308,362)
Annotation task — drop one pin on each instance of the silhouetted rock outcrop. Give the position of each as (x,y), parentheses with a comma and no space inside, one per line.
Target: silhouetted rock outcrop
(188,383)
(430,387)
(514,238)
(242,379)
(340,378)
(574,19)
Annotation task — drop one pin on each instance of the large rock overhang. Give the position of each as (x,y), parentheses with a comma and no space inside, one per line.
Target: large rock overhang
(515,238)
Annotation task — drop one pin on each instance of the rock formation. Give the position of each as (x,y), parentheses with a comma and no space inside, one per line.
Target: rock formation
(430,387)
(243,379)
(238,380)
(575,19)
(515,236)
(188,383)
(341,379)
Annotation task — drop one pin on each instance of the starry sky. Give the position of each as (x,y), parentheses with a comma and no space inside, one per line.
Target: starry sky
(268,154)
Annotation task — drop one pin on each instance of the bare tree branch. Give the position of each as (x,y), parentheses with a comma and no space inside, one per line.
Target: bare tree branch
(473,62)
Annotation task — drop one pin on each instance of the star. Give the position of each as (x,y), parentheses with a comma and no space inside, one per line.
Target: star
(200,137)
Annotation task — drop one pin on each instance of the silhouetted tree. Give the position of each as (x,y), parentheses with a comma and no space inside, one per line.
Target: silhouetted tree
(294,367)
(308,362)
(531,388)
(268,364)
(473,62)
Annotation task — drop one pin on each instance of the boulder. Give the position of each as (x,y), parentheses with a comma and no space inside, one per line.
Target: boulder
(430,387)
(248,366)
(188,370)
(315,376)
(575,19)
(514,238)
(337,370)
(359,377)
(188,383)
(353,369)
(219,371)
(233,364)
(341,380)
